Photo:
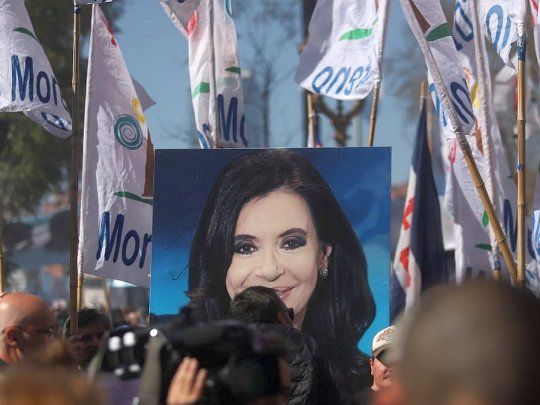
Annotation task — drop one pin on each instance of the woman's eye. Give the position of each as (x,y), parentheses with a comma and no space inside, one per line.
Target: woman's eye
(294,243)
(244,249)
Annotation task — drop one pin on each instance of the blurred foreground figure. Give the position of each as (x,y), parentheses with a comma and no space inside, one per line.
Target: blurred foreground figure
(311,381)
(92,325)
(38,385)
(27,326)
(475,344)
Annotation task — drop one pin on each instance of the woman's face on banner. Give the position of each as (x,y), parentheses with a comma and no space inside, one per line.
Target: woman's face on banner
(276,246)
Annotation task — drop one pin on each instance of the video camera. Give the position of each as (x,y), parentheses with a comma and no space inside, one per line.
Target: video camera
(241,364)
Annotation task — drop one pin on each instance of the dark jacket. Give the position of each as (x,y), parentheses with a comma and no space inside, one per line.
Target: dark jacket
(311,382)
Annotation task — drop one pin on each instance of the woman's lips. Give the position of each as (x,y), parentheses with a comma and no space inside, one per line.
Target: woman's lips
(283,292)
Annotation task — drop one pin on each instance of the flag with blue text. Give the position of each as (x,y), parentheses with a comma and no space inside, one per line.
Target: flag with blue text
(498,27)
(448,88)
(419,259)
(27,81)
(116,216)
(214,69)
(343,56)
(474,241)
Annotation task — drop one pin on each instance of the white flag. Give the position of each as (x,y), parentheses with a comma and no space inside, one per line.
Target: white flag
(214,69)
(116,218)
(27,81)
(83,2)
(472,230)
(343,56)
(448,87)
(536,28)
(495,17)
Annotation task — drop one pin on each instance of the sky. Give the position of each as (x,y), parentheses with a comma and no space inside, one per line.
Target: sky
(156,55)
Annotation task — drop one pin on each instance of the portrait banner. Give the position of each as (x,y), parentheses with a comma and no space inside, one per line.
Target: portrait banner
(288,219)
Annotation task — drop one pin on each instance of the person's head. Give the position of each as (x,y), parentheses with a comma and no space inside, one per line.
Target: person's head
(92,325)
(472,344)
(272,220)
(262,305)
(31,384)
(380,367)
(27,325)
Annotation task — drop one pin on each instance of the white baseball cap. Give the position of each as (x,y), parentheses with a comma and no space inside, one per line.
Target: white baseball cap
(382,340)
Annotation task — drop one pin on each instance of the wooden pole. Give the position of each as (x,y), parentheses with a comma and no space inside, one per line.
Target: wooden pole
(80,285)
(107,295)
(521,164)
(312,122)
(485,123)
(488,206)
(214,119)
(2,274)
(373,117)
(74,197)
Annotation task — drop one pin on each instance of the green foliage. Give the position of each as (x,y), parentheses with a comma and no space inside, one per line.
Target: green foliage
(32,161)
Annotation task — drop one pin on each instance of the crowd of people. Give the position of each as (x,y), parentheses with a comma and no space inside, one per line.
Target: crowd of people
(474,344)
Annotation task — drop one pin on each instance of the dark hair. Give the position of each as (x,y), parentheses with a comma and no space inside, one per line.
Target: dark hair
(257,304)
(341,308)
(88,316)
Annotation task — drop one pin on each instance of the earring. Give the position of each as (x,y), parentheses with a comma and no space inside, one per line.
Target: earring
(323,272)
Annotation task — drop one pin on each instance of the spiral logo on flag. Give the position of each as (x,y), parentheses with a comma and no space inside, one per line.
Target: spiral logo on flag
(128,131)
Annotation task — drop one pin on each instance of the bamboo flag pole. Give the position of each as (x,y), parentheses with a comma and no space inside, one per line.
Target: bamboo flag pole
(418,25)
(2,274)
(485,123)
(521,163)
(373,117)
(312,121)
(213,82)
(107,295)
(73,273)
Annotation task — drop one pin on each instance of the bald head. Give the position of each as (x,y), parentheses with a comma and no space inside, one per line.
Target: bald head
(26,323)
(476,343)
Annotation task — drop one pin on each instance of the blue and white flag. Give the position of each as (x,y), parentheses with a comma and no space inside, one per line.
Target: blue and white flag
(214,69)
(343,56)
(115,232)
(419,259)
(27,81)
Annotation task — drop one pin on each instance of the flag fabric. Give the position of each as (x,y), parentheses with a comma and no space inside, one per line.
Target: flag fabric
(536,28)
(448,87)
(535,226)
(214,69)
(116,219)
(472,57)
(343,56)
(27,81)
(496,18)
(473,242)
(419,261)
(86,2)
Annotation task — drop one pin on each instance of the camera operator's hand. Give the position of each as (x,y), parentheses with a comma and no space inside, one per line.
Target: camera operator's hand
(187,384)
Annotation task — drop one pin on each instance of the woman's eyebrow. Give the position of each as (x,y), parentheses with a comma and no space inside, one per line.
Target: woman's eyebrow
(243,237)
(294,231)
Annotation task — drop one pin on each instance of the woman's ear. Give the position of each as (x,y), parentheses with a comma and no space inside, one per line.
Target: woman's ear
(326,251)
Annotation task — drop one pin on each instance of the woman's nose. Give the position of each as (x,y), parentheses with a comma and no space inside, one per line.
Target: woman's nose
(269,268)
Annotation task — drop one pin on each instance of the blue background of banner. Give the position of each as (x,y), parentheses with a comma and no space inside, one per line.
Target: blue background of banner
(359,177)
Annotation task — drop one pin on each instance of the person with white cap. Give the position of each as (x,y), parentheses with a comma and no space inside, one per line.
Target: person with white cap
(380,367)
